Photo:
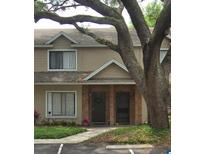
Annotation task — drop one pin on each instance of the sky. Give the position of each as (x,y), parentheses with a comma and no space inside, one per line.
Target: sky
(46,23)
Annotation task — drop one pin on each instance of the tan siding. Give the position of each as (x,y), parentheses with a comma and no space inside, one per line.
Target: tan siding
(139,55)
(165,43)
(112,71)
(90,59)
(61,43)
(40,99)
(40,60)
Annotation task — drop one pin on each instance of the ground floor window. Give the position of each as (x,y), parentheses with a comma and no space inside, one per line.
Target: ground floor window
(61,104)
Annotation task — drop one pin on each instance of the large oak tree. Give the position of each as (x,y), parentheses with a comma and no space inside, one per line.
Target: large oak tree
(150,80)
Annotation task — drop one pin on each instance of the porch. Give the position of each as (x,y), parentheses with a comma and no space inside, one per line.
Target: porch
(111,104)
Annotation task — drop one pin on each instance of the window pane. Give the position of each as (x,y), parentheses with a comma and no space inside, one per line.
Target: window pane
(61,104)
(56,60)
(69,60)
(56,102)
(72,59)
(64,104)
(70,104)
(66,60)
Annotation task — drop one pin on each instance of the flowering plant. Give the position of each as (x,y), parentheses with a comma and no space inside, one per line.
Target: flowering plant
(86,121)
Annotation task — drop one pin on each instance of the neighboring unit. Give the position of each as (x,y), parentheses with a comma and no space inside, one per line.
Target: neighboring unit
(77,78)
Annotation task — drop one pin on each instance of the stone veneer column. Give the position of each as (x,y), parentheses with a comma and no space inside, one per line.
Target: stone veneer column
(85,102)
(112,105)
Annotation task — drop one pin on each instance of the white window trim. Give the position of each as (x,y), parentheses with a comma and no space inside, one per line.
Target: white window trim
(50,50)
(48,116)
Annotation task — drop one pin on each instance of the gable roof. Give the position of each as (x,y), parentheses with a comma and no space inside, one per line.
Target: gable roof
(105,66)
(44,35)
(61,33)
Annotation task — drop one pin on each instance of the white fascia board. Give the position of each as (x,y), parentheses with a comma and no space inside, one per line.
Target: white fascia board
(43,46)
(94,46)
(164,48)
(103,67)
(61,34)
(89,83)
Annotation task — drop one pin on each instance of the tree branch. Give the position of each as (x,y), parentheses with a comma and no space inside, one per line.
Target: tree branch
(162,25)
(74,19)
(62,7)
(101,8)
(138,20)
(97,39)
(121,7)
(56,5)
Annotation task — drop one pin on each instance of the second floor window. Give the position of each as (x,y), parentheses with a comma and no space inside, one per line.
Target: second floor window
(62,60)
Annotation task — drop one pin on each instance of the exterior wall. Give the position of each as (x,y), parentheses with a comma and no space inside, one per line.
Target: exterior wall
(112,71)
(61,43)
(88,59)
(40,100)
(40,60)
(165,43)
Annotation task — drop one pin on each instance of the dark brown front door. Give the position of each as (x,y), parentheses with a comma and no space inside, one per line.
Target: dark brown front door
(98,107)
(122,107)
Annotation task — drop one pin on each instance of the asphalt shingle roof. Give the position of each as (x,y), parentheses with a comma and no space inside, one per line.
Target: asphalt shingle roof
(43,35)
(58,77)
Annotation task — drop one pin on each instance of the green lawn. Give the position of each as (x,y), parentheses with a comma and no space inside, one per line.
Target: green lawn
(141,134)
(55,132)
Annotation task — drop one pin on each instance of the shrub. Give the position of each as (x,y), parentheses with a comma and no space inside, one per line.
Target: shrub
(36,116)
(57,123)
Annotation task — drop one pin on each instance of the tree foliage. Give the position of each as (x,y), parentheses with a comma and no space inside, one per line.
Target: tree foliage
(152,12)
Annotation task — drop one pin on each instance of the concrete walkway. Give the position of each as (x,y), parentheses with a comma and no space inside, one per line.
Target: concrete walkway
(91,132)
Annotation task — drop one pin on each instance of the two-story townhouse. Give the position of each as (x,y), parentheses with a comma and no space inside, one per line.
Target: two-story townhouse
(78,78)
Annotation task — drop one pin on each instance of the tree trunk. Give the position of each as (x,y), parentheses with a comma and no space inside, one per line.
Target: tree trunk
(156,93)
(157,107)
